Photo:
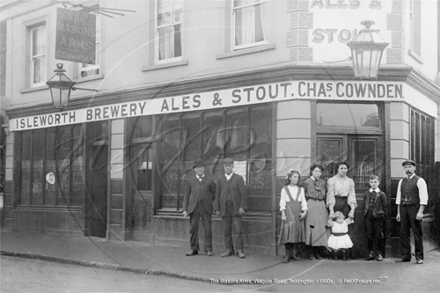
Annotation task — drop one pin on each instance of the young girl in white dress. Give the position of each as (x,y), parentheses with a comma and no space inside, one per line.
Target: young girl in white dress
(339,241)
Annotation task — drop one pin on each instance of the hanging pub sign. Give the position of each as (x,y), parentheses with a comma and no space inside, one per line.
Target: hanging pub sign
(75,36)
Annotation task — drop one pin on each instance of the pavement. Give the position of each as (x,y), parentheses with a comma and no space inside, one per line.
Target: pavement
(140,257)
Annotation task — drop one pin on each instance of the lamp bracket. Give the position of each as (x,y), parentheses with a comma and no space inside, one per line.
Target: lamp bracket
(83,89)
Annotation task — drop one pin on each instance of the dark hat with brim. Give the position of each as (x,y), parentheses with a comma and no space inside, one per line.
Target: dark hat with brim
(409,162)
(198,163)
(228,161)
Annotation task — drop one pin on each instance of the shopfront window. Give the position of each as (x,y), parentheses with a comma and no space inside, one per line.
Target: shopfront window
(422,146)
(243,134)
(41,153)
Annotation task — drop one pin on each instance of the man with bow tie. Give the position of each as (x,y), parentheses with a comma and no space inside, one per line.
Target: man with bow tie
(198,203)
(411,199)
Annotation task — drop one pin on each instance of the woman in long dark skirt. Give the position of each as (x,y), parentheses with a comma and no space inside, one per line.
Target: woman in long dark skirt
(317,215)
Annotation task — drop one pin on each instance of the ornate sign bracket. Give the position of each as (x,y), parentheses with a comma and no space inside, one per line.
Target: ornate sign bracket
(109,12)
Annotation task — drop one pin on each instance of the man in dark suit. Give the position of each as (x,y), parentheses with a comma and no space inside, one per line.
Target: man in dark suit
(197,203)
(231,203)
(411,199)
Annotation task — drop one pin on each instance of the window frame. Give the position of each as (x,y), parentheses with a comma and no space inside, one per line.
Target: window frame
(354,128)
(174,59)
(48,163)
(182,161)
(235,47)
(79,68)
(31,65)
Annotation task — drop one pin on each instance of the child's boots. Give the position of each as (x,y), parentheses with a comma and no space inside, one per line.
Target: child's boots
(344,254)
(295,252)
(288,249)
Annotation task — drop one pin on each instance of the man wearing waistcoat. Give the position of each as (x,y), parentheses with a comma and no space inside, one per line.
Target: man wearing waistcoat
(198,203)
(411,199)
(231,203)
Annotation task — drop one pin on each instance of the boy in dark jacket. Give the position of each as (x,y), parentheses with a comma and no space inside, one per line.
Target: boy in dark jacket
(374,217)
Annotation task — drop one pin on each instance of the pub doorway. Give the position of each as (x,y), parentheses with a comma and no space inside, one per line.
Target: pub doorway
(364,155)
(141,204)
(96,201)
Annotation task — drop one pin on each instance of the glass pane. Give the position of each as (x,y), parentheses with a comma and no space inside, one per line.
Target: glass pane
(191,137)
(260,177)
(26,160)
(348,115)
(38,150)
(177,10)
(62,174)
(50,189)
(170,183)
(365,162)
(166,40)
(38,67)
(169,173)
(259,33)
(177,41)
(63,143)
(143,166)
(249,22)
(213,138)
(260,132)
(140,127)
(330,151)
(63,182)
(38,41)
(238,135)
(164,8)
(170,139)
(78,182)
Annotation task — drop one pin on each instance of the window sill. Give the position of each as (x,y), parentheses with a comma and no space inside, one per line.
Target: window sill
(163,66)
(168,214)
(90,78)
(415,56)
(245,51)
(39,208)
(34,89)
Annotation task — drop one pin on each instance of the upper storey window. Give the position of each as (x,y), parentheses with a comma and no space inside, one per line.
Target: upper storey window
(93,69)
(86,70)
(169,30)
(249,23)
(38,55)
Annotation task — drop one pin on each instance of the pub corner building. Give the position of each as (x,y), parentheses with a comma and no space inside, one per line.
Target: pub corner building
(269,83)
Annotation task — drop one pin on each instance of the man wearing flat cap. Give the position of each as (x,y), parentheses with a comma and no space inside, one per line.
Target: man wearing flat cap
(231,203)
(197,203)
(411,199)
